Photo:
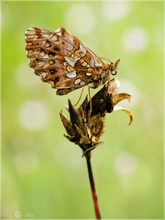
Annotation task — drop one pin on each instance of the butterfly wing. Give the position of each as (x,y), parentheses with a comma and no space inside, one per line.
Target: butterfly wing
(61,59)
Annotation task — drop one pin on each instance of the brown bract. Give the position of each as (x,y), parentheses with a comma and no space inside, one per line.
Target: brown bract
(86,124)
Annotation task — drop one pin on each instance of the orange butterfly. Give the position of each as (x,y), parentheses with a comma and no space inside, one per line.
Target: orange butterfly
(62,60)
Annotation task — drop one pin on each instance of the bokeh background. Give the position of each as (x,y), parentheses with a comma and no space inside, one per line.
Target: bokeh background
(44,175)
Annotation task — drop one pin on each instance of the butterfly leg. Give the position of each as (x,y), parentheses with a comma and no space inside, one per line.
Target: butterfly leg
(90,100)
(80,96)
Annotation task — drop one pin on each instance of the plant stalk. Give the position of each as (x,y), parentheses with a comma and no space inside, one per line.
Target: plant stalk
(93,189)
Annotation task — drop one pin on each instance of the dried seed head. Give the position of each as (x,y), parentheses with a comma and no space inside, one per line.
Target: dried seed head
(86,124)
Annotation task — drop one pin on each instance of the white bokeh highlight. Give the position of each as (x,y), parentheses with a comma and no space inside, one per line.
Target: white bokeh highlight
(33,115)
(115,10)
(126,164)
(86,18)
(135,40)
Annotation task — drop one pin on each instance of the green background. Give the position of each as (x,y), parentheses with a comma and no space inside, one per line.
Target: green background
(44,175)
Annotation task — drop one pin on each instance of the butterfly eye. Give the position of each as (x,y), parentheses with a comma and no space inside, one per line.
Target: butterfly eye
(113,68)
(114,72)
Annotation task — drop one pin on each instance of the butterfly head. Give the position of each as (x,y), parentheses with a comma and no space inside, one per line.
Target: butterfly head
(109,69)
(113,67)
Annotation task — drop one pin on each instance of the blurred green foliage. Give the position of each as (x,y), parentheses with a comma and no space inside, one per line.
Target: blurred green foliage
(43,175)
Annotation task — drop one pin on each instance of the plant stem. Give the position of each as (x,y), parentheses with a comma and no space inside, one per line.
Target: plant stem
(93,189)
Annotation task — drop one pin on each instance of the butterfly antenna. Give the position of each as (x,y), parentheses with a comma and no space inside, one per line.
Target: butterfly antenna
(80,96)
(103,58)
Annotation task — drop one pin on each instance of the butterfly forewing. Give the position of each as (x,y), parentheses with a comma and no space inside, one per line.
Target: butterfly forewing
(62,60)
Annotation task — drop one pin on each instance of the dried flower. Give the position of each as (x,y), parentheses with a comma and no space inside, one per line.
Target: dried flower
(86,123)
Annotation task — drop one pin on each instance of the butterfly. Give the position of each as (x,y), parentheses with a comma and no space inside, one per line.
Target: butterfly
(63,61)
